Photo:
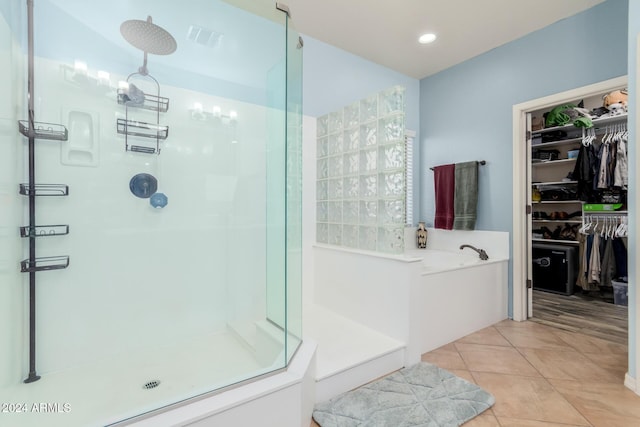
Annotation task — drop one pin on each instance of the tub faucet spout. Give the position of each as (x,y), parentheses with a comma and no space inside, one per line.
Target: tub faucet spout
(481,252)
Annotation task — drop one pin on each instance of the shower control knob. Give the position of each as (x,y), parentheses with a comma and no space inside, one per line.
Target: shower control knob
(143,185)
(159,200)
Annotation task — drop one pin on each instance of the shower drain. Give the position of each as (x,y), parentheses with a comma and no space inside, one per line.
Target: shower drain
(151,384)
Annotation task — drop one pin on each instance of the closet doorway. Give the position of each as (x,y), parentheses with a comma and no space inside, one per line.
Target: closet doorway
(544,229)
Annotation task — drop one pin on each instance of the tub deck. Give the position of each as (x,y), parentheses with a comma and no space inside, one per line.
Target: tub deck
(349,354)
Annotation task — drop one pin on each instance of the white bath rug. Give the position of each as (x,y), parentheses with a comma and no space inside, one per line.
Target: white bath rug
(421,395)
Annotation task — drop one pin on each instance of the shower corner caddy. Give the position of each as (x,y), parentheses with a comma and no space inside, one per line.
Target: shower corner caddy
(140,129)
(44,263)
(41,130)
(47,131)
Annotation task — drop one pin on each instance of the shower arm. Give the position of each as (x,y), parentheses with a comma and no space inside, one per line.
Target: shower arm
(144,70)
(149,38)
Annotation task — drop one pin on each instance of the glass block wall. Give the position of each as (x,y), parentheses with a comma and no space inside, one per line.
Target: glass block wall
(361,174)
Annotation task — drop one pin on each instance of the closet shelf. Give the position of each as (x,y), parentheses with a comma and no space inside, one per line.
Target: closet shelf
(566,242)
(544,145)
(542,184)
(543,202)
(550,162)
(43,130)
(142,129)
(612,119)
(603,120)
(44,230)
(564,221)
(608,213)
(44,263)
(151,102)
(44,190)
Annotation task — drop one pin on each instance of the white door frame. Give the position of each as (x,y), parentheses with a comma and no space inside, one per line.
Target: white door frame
(521,184)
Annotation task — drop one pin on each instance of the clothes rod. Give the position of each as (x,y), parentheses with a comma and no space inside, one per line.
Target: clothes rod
(482,162)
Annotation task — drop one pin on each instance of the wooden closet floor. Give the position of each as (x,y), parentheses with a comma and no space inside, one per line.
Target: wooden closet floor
(581,314)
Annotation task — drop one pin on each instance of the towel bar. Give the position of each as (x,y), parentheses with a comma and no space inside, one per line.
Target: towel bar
(482,162)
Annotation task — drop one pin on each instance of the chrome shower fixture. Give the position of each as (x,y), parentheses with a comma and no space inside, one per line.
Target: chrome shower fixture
(149,38)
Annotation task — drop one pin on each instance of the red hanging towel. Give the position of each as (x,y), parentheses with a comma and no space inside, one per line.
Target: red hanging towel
(444,178)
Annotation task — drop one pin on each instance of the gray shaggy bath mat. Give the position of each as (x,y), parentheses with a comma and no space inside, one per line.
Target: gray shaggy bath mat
(421,395)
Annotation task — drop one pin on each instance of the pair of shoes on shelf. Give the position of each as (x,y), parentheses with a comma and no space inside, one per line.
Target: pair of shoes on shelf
(558,215)
(539,215)
(569,232)
(547,234)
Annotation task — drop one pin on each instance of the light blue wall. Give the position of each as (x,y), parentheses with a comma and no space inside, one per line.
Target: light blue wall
(466,110)
(634,31)
(334,78)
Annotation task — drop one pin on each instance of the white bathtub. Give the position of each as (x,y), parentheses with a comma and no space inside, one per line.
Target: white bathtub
(456,294)
(425,298)
(435,260)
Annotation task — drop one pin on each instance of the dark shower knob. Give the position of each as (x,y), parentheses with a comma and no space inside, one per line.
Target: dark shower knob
(143,185)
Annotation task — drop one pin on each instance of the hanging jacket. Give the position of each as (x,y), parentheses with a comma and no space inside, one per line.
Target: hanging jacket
(584,172)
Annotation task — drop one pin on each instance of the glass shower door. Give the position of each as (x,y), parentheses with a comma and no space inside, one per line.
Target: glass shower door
(294,190)
(182,175)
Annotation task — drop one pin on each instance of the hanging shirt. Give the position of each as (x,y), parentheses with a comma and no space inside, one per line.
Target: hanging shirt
(621,173)
(583,268)
(602,169)
(594,261)
(620,255)
(608,264)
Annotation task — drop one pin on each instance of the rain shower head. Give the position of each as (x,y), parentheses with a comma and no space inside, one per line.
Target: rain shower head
(149,38)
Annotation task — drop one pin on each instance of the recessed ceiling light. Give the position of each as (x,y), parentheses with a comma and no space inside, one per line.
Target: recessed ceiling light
(427,38)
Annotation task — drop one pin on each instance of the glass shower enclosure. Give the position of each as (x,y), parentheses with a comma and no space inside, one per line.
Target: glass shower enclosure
(150,203)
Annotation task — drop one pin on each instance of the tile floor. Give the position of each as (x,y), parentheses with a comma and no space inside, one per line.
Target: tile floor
(543,376)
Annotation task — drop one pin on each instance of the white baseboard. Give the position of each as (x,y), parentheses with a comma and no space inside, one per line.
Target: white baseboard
(631,383)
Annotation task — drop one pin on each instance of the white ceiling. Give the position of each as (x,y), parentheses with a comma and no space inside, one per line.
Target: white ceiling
(386,32)
(382,31)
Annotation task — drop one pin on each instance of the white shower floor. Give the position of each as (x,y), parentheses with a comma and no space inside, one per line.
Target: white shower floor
(112,390)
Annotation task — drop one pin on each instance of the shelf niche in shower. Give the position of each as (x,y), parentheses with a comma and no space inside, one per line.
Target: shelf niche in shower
(44,263)
(44,230)
(41,130)
(44,189)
